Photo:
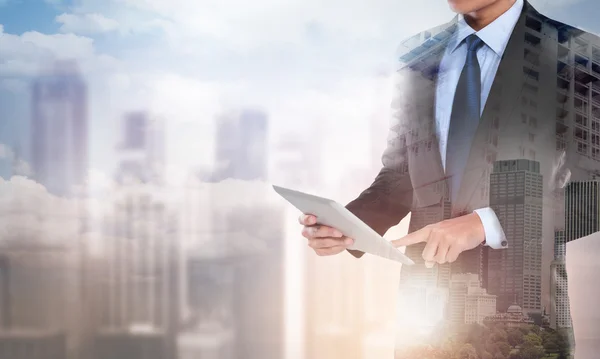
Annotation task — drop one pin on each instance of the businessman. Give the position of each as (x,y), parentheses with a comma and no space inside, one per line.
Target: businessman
(495,113)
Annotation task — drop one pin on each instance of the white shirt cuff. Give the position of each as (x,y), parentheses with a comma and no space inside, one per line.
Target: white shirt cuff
(494,234)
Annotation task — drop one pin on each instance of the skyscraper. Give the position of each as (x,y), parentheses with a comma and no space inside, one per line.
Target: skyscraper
(560,316)
(516,197)
(141,152)
(582,218)
(469,302)
(241,145)
(424,291)
(137,280)
(258,305)
(59,129)
(582,209)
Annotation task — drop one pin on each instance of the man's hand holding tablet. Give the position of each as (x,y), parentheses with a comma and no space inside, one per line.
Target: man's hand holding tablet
(325,240)
(331,228)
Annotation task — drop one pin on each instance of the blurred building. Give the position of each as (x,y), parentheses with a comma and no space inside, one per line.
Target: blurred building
(141,152)
(137,296)
(424,292)
(59,129)
(469,302)
(297,162)
(516,197)
(514,317)
(139,344)
(241,145)
(26,344)
(243,257)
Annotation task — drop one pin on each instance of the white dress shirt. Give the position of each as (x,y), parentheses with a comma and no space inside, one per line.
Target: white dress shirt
(495,36)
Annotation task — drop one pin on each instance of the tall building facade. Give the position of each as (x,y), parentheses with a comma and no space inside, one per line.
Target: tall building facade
(582,209)
(424,292)
(258,302)
(136,277)
(469,302)
(241,141)
(582,218)
(141,152)
(59,129)
(516,197)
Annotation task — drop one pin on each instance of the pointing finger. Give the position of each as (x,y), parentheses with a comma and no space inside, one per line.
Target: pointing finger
(431,249)
(412,238)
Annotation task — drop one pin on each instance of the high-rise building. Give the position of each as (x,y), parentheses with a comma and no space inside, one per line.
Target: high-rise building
(297,163)
(582,218)
(141,152)
(560,314)
(424,291)
(59,129)
(516,197)
(137,276)
(258,306)
(469,302)
(241,145)
(582,209)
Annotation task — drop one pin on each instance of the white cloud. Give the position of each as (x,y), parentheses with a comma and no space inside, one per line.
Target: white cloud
(28,53)
(22,168)
(86,23)
(266,22)
(30,216)
(6,152)
(19,166)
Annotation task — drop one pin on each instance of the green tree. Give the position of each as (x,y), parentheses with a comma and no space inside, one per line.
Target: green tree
(504,349)
(515,337)
(533,340)
(531,352)
(467,351)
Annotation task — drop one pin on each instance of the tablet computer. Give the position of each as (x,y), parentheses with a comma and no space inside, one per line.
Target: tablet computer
(333,214)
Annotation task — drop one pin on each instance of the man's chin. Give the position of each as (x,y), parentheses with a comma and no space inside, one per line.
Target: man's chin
(463,6)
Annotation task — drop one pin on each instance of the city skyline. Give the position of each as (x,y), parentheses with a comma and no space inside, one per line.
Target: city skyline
(201,117)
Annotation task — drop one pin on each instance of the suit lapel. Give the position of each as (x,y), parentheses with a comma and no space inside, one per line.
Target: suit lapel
(425,162)
(504,97)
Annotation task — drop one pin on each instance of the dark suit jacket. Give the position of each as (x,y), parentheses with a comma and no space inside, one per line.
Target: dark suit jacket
(532,112)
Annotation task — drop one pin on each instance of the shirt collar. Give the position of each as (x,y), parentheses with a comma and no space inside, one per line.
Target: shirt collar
(495,35)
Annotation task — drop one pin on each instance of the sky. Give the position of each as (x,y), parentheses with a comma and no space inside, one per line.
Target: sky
(317,66)
(320,68)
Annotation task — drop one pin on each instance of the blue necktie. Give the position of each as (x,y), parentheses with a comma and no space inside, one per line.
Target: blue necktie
(465,117)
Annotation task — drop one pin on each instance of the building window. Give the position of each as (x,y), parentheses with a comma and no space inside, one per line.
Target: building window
(524,118)
(532,121)
(533,24)
(581,120)
(581,147)
(531,137)
(531,73)
(581,134)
